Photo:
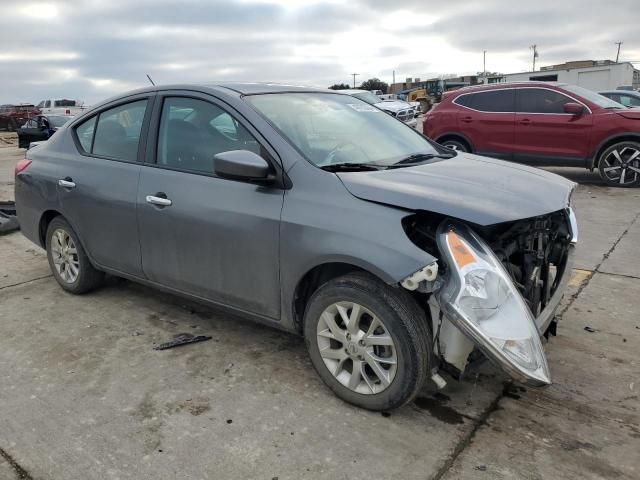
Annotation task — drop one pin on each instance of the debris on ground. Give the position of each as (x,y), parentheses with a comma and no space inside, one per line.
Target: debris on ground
(228,368)
(182,339)
(8,218)
(590,329)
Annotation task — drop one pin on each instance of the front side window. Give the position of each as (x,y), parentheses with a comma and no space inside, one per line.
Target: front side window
(538,100)
(118,131)
(193,131)
(496,101)
(333,128)
(629,101)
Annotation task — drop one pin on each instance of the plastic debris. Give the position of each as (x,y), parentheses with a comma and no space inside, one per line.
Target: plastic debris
(183,339)
(590,329)
(8,218)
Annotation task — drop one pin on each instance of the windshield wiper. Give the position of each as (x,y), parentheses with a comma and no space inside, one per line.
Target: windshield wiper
(350,167)
(418,158)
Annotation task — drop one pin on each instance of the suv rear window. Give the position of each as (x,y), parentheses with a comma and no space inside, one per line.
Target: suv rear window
(498,101)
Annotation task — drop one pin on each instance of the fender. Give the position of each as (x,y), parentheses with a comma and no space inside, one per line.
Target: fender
(593,161)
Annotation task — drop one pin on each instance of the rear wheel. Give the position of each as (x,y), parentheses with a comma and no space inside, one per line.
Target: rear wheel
(369,342)
(619,165)
(455,144)
(68,261)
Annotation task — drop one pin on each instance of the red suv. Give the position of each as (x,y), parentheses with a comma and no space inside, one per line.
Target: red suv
(541,123)
(14,116)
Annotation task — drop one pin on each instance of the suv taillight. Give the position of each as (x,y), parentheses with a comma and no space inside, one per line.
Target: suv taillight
(21,166)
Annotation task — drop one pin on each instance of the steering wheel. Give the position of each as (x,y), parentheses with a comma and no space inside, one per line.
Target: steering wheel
(345,148)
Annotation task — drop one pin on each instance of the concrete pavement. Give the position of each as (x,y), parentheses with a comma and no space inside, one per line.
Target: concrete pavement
(84,395)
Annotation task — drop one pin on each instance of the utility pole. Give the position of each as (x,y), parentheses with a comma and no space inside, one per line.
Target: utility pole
(354,79)
(484,65)
(394,77)
(618,54)
(534,47)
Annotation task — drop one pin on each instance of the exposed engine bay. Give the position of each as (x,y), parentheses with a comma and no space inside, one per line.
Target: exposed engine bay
(534,254)
(533,251)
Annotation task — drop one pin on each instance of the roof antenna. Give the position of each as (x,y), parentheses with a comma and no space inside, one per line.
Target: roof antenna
(151,80)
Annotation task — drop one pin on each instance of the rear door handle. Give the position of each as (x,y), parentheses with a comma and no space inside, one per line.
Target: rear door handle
(525,121)
(157,200)
(467,119)
(67,183)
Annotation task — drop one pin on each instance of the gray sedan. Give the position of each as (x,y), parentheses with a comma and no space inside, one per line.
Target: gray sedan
(314,212)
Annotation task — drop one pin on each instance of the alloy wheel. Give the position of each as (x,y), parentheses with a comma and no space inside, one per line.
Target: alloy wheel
(622,165)
(357,348)
(65,256)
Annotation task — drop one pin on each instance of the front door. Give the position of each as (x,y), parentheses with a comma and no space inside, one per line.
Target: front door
(98,185)
(201,234)
(545,134)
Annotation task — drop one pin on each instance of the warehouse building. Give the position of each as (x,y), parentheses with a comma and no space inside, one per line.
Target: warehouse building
(596,75)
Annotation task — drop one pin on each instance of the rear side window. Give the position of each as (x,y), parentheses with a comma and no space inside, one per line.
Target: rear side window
(538,100)
(118,131)
(497,101)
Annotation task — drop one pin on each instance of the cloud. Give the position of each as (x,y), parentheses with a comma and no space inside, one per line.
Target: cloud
(92,49)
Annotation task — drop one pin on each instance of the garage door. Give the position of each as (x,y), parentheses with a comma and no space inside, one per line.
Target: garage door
(595,80)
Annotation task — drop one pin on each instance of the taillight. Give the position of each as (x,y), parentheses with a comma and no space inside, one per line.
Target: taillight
(21,166)
(67,112)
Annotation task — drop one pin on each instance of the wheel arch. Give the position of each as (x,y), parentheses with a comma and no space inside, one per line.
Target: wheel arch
(45,219)
(622,137)
(456,136)
(318,276)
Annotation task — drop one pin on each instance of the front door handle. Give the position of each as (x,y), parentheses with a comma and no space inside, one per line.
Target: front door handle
(467,119)
(158,200)
(67,183)
(525,121)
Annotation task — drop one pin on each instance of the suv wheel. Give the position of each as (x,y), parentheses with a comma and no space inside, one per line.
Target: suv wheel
(68,261)
(457,145)
(369,342)
(619,165)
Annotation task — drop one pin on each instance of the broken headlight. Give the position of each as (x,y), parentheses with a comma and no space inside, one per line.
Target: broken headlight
(480,298)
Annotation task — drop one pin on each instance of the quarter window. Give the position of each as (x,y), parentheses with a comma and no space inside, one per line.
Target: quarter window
(498,101)
(85,133)
(118,131)
(538,100)
(193,131)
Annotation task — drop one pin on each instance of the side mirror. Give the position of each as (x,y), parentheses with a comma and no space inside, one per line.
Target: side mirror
(573,108)
(240,165)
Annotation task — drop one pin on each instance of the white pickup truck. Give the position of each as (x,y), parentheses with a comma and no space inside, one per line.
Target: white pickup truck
(397,108)
(62,106)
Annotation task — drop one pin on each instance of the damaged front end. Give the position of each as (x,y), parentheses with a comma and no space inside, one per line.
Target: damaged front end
(497,288)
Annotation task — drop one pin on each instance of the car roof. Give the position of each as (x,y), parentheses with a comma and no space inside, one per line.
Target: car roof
(493,86)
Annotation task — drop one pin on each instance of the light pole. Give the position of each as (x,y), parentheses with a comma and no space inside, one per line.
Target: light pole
(618,54)
(354,79)
(484,65)
(534,47)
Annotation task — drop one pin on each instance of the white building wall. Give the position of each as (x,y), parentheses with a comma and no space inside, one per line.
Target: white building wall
(605,77)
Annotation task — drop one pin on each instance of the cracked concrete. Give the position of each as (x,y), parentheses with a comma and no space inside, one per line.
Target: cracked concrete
(85,396)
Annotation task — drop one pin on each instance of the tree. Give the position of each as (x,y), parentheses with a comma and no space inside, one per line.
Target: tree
(339,86)
(374,84)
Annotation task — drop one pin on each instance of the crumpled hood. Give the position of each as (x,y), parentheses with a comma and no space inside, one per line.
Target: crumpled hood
(475,189)
(393,106)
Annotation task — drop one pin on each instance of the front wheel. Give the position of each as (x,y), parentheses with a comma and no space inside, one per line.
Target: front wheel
(68,261)
(619,165)
(369,342)
(456,145)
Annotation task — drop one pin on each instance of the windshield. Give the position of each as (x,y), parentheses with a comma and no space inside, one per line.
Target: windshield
(58,120)
(593,97)
(330,129)
(368,97)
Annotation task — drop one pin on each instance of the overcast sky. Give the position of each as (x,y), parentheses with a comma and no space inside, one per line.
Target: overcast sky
(92,49)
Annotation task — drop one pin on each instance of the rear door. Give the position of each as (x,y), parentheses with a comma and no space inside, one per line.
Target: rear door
(201,234)
(545,134)
(487,120)
(98,185)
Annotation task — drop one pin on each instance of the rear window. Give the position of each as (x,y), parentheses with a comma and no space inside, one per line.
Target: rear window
(493,101)
(64,103)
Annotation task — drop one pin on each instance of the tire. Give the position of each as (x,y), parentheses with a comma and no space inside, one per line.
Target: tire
(457,145)
(87,277)
(403,331)
(619,165)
